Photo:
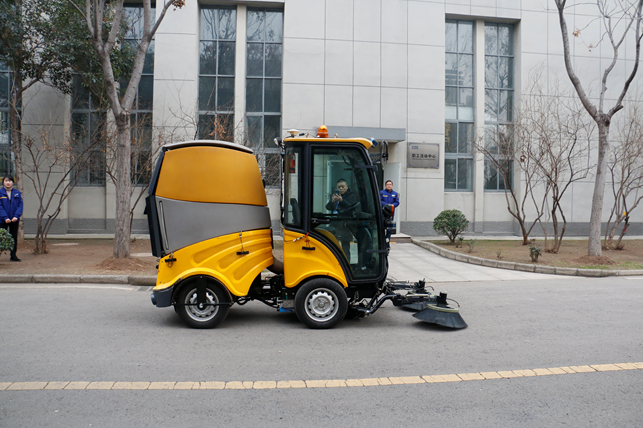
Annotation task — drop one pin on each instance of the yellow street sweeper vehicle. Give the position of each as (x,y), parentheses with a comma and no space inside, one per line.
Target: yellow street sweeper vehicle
(210,226)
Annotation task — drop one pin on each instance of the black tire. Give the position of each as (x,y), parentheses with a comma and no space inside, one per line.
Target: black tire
(321,303)
(206,316)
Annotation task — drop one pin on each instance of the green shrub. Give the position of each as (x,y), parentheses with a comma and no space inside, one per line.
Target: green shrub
(6,241)
(450,223)
(534,251)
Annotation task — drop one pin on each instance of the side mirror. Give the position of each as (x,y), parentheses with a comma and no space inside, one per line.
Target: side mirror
(388,211)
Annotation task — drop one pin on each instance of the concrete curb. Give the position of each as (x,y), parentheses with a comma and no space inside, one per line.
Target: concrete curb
(526,267)
(85,279)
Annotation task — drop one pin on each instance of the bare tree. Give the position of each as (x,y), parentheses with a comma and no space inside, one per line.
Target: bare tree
(620,19)
(561,137)
(95,13)
(626,169)
(51,165)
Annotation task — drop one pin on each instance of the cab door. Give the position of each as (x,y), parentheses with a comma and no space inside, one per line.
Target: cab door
(331,204)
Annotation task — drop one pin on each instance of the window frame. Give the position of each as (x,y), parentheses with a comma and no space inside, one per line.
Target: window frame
(461,159)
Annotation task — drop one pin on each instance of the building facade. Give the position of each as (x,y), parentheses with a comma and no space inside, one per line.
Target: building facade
(427,77)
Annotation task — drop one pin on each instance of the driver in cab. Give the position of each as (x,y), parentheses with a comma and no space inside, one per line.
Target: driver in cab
(341,202)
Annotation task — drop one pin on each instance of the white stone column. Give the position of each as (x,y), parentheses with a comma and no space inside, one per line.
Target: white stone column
(478,178)
(240,75)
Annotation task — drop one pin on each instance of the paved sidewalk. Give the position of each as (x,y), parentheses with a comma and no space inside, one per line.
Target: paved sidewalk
(410,262)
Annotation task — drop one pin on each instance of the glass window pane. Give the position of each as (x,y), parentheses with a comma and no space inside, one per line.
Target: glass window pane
(450,138)
(465,37)
(274,26)
(208,58)
(80,96)
(272,169)
(148,65)
(256,25)
(80,128)
(4,89)
(465,174)
(451,69)
(490,175)
(207,93)
(254,95)
(254,62)
(491,71)
(225,95)
(272,130)
(491,105)
(273,60)
(505,106)
(465,70)
(208,24)
(451,102)
(505,40)
(146,93)
(254,129)
(226,58)
(465,105)
(491,138)
(451,37)
(491,39)
(272,98)
(5,137)
(450,172)
(506,72)
(206,127)
(465,138)
(227,24)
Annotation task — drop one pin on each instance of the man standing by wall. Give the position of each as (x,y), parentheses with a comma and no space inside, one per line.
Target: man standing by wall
(388,196)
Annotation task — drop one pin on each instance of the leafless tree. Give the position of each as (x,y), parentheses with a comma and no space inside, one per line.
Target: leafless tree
(50,164)
(560,137)
(620,19)
(504,149)
(626,169)
(121,101)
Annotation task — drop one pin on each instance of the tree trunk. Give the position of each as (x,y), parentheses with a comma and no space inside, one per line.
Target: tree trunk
(594,241)
(123,187)
(16,143)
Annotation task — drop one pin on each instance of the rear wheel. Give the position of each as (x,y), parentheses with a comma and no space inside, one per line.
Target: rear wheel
(321,303)
(207,314)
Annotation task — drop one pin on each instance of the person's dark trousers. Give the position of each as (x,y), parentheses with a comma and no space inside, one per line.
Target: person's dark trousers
(13,230)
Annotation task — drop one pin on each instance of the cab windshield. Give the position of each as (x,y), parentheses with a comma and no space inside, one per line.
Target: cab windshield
(344,207)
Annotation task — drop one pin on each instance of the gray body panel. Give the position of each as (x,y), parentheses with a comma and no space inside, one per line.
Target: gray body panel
(185,223)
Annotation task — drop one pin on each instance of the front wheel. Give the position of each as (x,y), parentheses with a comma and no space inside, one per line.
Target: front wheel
(321,303)
(207,314)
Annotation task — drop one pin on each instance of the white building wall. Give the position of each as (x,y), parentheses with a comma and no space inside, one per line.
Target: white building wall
(377,64)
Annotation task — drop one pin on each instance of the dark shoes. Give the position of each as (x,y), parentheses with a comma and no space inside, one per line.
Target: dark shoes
(15,259)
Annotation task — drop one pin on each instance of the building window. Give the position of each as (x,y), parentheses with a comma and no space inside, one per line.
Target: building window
(264,53)
(459,102)
(87,129)
(141,118)
(6,154)
(216,72)
(499,100)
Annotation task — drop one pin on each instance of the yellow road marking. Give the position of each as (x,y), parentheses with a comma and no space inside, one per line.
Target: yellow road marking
(333,383)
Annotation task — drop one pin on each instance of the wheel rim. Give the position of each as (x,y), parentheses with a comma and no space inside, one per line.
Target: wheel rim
(201,313)
(321,304)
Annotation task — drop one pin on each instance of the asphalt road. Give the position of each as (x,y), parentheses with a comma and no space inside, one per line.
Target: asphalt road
(72,333)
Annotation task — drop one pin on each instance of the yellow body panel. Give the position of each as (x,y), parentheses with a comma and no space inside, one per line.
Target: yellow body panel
(218,258)
(363,141)
(196,174)
(300,264)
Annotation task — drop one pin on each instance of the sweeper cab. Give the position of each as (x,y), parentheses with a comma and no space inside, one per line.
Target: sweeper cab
(210,226)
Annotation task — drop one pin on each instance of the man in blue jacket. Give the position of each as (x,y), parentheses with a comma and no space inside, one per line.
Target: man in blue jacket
(389,196)
(10,212)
